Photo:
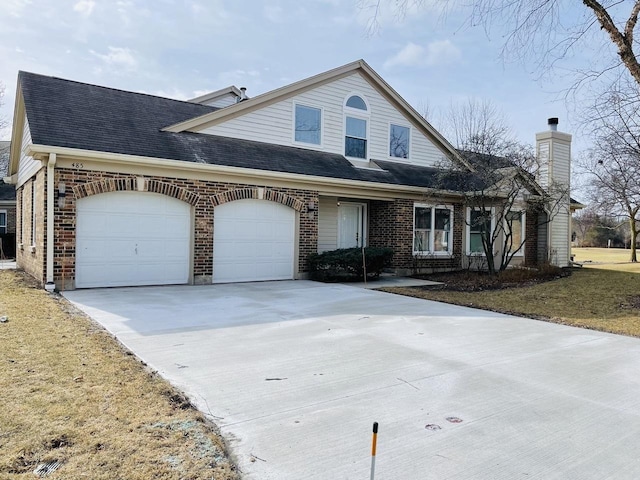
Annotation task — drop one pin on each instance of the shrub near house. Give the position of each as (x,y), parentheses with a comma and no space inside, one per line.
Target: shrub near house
(349,264)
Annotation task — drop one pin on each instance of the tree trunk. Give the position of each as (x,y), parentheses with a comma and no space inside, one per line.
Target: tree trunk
(634,236)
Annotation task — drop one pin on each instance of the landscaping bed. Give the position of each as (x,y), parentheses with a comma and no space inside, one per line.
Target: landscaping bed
(474,281)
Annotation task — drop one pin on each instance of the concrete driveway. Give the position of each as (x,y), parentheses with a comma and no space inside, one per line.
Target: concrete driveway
(295,373)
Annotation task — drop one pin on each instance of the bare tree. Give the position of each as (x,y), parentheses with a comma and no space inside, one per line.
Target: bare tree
(3,121)
(546,31)
(502,186)
(613,162)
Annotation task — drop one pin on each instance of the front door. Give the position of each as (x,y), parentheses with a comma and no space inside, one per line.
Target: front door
(350,224)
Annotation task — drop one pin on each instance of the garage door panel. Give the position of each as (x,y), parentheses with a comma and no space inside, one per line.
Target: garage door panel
(132,238)
(253,240)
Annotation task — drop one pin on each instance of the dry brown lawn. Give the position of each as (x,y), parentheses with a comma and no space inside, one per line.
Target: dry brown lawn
(69,392)
(605,299)
(606,258)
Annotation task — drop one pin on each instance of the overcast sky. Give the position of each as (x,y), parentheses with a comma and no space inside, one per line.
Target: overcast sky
(184,48)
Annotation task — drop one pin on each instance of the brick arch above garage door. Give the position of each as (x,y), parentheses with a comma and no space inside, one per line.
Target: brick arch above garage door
(257,193)
(135,184)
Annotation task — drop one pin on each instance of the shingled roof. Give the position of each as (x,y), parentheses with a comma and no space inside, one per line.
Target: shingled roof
(66,113)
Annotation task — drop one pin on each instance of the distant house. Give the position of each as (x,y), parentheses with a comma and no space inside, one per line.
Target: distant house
(7,207)
(120,188)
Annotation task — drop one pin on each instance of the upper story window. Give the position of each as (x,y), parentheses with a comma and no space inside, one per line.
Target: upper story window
(308,124)
(355,101)
(356,127)
(399,141)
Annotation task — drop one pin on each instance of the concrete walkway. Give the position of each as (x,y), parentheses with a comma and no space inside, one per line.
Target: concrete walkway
(295,373)
(386,281)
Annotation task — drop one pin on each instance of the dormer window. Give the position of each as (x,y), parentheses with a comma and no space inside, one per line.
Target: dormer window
(356,128)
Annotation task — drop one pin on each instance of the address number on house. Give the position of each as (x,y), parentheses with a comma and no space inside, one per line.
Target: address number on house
(77,165)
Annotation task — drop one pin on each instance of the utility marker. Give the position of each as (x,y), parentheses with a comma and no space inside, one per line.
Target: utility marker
(373,449)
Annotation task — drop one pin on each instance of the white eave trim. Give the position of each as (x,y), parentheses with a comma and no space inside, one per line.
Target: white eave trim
(39,151)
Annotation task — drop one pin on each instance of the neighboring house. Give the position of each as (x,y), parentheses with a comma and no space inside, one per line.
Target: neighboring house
(120,188)
(7,208)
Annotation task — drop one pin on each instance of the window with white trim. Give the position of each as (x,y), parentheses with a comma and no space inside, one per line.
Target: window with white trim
(33,212)
(308,124)
(515,224)
(356,128)
(399,141)
(432,229)
(3,221)
(479,223)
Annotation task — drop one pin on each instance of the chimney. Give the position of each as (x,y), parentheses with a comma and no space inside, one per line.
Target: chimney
(553,150)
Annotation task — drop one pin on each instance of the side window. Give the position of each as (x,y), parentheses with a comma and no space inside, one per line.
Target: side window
(356,128)
(3,221)
(308,124)
(480,223)
(399,141)
(33,211)
(432,229)
(515,226)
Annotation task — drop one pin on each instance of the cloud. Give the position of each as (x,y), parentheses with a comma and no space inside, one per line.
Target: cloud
(84,7)
(274,13)
(117,57)
(439,52)
(15,7)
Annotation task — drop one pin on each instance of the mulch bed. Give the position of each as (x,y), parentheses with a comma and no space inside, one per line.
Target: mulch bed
(473,281)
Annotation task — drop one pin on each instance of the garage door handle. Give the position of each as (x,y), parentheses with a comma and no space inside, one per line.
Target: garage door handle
(136,248)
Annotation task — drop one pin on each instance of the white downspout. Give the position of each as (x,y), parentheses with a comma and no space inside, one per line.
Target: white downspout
(50,285)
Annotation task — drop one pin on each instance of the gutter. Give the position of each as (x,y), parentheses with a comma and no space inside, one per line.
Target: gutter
(50,285)
(41,152)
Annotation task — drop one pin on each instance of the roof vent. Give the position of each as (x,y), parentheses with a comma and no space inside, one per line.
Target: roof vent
(553,124)
(243,95)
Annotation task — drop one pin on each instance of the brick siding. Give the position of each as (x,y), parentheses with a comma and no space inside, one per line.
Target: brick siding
(202,195)
(531,235)
(391,225)
(32,260)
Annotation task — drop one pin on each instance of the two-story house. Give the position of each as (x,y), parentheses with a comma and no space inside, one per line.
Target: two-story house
(119,188)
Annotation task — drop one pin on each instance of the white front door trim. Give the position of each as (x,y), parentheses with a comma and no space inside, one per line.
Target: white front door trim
(352,224)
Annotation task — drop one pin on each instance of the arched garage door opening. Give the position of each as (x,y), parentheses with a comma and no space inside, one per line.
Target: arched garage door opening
(253,240)
(132,238)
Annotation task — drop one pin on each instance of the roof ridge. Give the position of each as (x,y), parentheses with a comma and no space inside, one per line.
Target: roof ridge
(22,73)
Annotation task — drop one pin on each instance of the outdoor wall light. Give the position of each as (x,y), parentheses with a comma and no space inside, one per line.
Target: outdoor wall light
(311,207)
(62,193)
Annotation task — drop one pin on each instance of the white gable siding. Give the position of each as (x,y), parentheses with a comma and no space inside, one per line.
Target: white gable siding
(28,166)
(221,101)
(274,123)
(327,224)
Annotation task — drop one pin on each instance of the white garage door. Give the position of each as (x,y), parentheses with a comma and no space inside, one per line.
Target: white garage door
(253,240)
(132,238)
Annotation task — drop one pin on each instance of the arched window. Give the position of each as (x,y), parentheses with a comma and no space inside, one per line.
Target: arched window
(357,102)
(356,128)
